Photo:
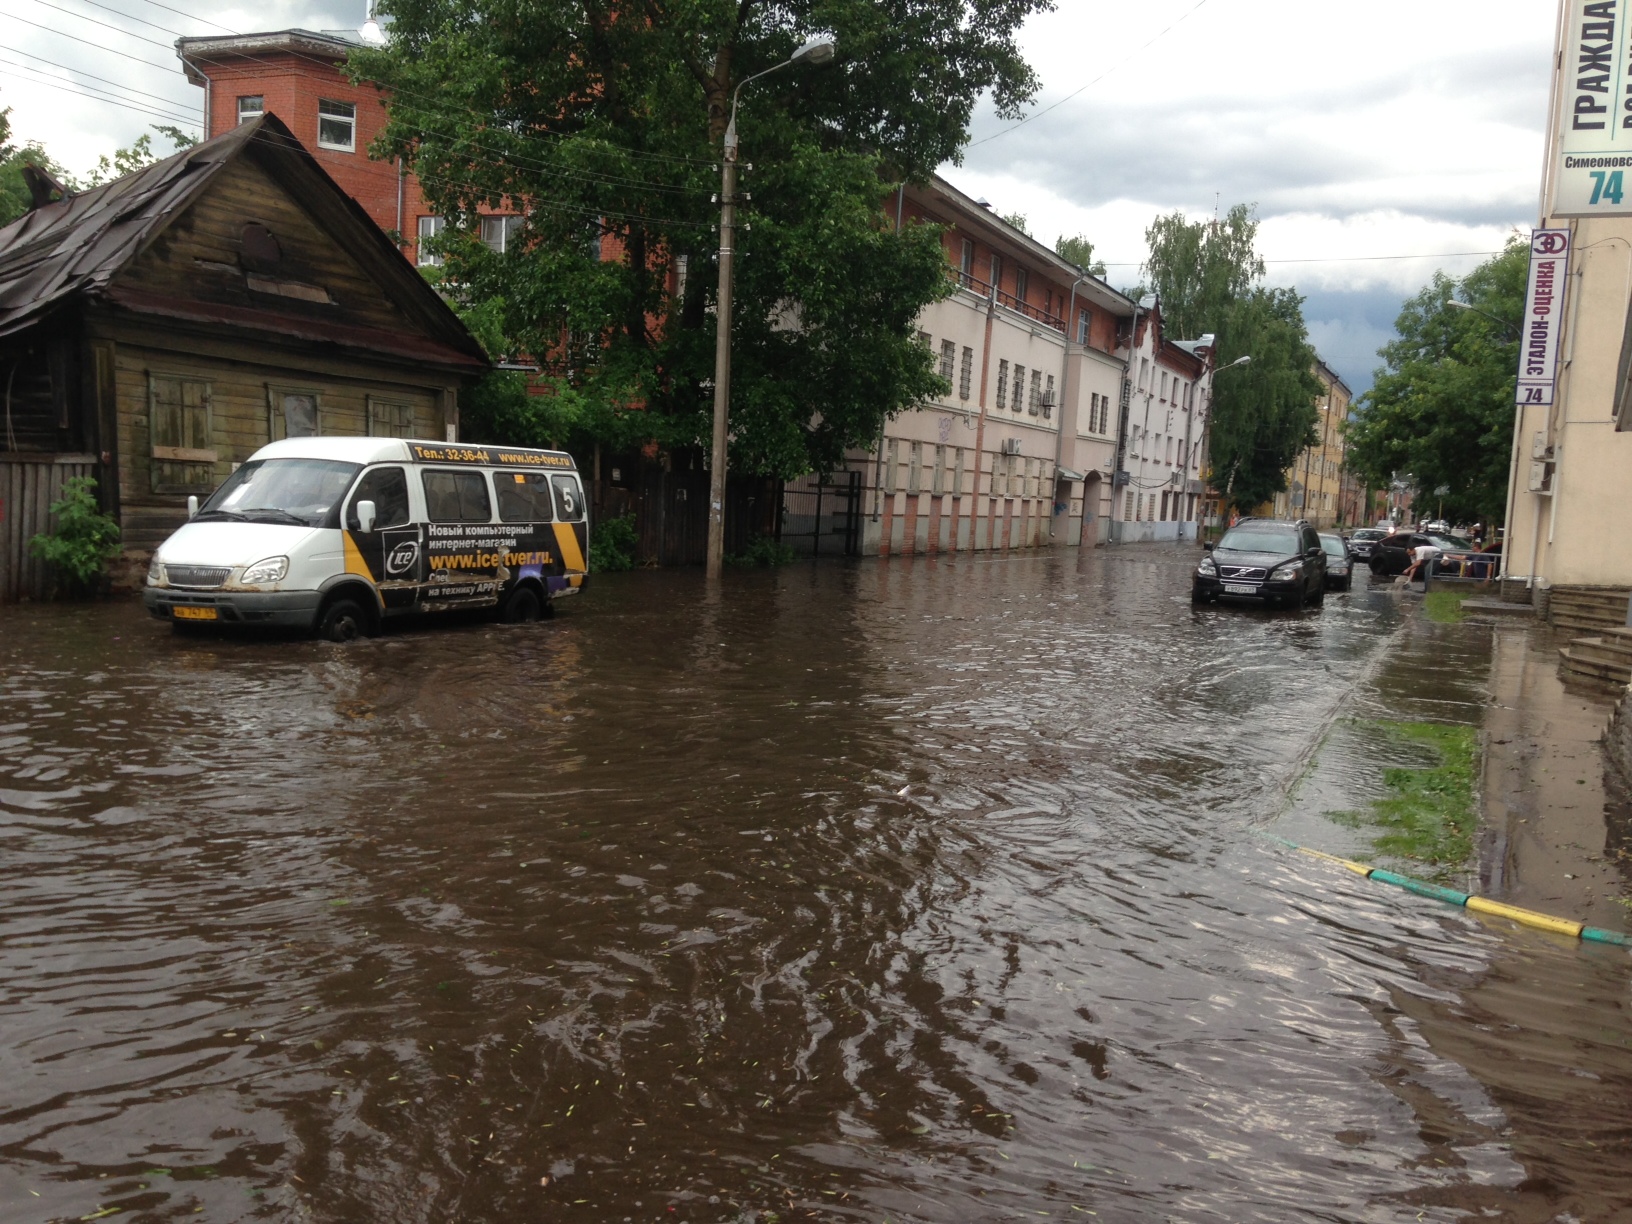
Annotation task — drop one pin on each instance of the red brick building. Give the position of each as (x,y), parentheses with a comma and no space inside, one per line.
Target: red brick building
(299,76)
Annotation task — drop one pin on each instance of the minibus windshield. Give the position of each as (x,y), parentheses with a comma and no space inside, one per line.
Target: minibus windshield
(301,492)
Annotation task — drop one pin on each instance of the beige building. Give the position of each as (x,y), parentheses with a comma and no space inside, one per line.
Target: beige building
(1314,483)
(1571,470)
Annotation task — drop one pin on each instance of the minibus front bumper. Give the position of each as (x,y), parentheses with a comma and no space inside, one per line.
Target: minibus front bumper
(273,609)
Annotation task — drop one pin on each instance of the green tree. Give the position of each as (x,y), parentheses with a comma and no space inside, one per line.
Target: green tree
(1016,221)
(1441,407)
(1264,413)
(603,125)
(1080,251)
(1198,268)
(14,196)
(138,154)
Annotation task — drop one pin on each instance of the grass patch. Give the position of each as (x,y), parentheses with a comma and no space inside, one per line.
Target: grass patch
(1428,814)
(1446,606)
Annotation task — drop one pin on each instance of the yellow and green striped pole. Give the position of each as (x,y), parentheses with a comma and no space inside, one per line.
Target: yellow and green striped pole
(1480,905)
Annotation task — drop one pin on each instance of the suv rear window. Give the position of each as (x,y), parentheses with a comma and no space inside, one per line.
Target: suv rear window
(1261,537)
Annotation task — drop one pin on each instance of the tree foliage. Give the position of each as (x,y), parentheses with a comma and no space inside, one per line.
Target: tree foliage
(1080,251)
(84,538)
(137,154)
(14,197)
(602,122)
(1441,408)
(1207,275)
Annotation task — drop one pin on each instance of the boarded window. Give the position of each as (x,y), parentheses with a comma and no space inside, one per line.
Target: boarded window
(1002,384)
(915,466)
(524,497)
(390,419)
(456,497)
(1019,387)
(179,428)
(1036,392)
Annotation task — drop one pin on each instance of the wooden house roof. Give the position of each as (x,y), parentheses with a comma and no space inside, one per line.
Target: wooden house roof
(73,250)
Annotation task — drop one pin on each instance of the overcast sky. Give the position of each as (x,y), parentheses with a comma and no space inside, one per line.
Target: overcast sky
(1388,128)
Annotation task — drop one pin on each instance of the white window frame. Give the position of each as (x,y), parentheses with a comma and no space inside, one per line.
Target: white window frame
(343,112)
(428,227)
(245,113)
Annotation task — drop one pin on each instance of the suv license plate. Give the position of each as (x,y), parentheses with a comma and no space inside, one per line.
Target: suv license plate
(185,613)
(1239,588)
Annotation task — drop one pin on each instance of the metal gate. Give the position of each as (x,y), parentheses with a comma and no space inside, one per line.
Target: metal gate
(821,516)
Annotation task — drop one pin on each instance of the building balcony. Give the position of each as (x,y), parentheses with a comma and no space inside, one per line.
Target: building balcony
(974,284)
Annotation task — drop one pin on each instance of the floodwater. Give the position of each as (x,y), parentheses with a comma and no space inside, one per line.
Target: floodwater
(921,890)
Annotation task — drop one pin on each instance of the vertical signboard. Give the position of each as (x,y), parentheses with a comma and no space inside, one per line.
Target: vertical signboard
(1543,315)
(1592,144)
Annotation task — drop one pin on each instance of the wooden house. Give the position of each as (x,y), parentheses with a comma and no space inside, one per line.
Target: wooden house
(156,330)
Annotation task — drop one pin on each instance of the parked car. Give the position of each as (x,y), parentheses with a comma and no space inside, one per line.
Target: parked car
(1339,564)
(1437,527)
(1269,561)
(1393,555)
(1364,541)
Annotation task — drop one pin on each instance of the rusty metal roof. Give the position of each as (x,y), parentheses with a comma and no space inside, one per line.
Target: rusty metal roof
(69,251)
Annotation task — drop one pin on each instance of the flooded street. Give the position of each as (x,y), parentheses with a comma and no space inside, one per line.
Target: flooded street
(919,890)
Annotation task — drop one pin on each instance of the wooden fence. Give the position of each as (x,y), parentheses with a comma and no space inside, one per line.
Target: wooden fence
(29,483)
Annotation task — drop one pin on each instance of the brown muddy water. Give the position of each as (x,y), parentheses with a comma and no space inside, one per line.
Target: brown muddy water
(908,891)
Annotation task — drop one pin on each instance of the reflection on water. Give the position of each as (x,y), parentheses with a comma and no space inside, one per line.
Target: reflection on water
(925,890)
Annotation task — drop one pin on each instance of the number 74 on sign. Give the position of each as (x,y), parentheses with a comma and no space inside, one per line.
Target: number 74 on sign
(1606,185)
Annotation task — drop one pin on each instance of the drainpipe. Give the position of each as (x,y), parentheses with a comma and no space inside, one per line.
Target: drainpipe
(1059,421)
(402,178)
(1125,408)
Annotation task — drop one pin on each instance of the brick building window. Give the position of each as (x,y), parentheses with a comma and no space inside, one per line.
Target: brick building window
(1083,319)
(1036,391)
(1019,401)
(429,227)
(1022,282)
(1002,384)
(337,125)
(966,372)
(499,232)
(1048,409)
(966,262)
(252,106)
(949,354)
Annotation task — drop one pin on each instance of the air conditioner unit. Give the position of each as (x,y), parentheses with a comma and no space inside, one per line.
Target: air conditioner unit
(1047,398)
(1539,448)
(1540,478)
(1011,446)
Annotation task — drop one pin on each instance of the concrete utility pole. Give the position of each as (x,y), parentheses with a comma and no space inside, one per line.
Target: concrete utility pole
(818,50)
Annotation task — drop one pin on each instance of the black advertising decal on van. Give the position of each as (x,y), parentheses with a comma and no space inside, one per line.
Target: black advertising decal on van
(471,549)
(489,456)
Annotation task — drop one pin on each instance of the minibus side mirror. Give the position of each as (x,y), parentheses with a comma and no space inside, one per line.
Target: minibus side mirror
(1208,546)
(365,516)
(192,506)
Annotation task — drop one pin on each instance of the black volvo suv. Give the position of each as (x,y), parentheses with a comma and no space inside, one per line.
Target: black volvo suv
(1271,561)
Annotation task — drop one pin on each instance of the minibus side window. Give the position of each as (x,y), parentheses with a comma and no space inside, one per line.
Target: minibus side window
(387,488)
(456,497)
(524,497)
(569,502)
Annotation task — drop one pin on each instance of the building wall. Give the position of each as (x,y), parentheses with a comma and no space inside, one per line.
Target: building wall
(976,469)
(1168,396)
(1575,535)
(291,86)
(1315,488)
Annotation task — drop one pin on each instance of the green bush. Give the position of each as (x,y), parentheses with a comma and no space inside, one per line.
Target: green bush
(84,539)
(763,553)
(612,545)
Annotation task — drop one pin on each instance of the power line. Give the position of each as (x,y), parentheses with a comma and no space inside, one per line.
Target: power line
(89,43)
(1132,263)
(106,25)
(101,96)
(107,81)
(1123,63)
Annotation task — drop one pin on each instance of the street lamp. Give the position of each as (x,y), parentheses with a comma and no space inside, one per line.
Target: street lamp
(1512,327)
(818,50)
(1207,429)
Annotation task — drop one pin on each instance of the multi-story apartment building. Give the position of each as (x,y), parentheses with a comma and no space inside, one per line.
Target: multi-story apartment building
(1157,477)
(1021,449)
(1314,482)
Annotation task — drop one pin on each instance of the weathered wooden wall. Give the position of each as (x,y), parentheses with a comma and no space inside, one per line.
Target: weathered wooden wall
(29,483)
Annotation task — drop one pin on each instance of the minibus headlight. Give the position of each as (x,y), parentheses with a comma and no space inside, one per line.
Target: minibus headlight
(271,570)
(155,571)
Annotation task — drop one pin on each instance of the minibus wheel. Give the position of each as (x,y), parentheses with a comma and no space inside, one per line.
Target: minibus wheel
(522,607)
(343,621)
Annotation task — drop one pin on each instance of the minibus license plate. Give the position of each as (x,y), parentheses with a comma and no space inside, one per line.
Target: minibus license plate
(1230,588)
(196,614)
